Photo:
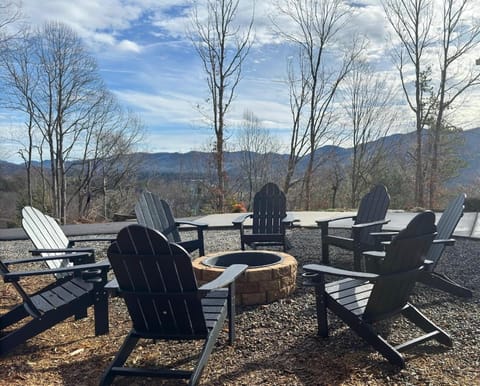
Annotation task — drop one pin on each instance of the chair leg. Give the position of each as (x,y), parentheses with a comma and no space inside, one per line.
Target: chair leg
(33,328)
(321,306)
(444,283)
(368,333)
(100,309)
(357,260)
(205,354)
(381,345)
(13,316)
(201,244)
(20,335)
(421,321)
(242,245)
(325,254)
(231,312)
(127,347)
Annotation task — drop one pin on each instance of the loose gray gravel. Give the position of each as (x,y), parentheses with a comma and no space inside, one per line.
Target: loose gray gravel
(278,341)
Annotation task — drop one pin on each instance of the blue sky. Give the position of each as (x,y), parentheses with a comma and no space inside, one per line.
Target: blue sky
(148,61)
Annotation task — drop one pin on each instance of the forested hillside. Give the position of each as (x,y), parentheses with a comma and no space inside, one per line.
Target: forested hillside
(183,178)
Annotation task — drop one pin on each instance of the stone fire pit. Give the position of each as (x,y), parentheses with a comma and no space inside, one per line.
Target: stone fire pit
(271,275)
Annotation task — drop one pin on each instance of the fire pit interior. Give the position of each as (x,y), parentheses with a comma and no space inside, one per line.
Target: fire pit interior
(250,258)
(271,274)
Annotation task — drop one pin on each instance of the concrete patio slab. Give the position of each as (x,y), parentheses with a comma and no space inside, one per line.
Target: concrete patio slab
(469,225)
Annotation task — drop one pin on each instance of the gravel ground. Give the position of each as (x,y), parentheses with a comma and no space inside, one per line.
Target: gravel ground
(276,343)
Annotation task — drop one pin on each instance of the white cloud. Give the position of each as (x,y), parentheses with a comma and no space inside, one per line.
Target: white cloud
(149,63)
(129,46)
(165,108)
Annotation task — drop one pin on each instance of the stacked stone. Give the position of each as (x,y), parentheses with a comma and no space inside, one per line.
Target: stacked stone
(258,285)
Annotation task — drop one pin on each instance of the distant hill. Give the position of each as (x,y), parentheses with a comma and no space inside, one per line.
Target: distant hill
(8,168)
(193,163)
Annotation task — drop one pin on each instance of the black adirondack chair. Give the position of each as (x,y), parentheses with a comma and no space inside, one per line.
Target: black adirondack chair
(365,298)
(70,296)
(370,217)
(269,220)
(445,227)
(49,239)
(157,282)
(155,213)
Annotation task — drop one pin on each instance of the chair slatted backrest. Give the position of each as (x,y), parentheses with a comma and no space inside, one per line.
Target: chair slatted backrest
(269,209)
(373,207)
(446,226)
(45,233)
(401,266)
(155,213)
(158,283)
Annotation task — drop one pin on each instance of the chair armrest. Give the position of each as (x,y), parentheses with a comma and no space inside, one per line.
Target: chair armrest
(36,252)
(191,223)
(289,219)
(328,270)
(374,254)
(69,256)
(72,242)
(370,224)
(227,277)
(241,219)
(15,276)
(384,236)
(448,242)
(373,260)
(112,287)
(323,222)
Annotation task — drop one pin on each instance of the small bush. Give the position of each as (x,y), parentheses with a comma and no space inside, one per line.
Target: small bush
(238,207)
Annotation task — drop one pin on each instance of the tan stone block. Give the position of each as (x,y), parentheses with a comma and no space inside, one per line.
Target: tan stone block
(274,295)
(209,275)
(271,285)
(259,274)
(283,270)
(285,291)
(245,287)
(287,281)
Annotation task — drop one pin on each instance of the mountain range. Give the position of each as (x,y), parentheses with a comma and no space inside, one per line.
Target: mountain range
(192,164)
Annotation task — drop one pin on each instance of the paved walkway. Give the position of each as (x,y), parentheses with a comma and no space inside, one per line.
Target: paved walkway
(469,225)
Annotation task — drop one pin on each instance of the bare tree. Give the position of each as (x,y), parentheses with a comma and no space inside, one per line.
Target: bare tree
(368,105)
(257,147)
(438,85)
(72,121)
(460,37)
(298,146)
(19,84)
(318,76)
(105,165)
(223,48)
(412,23)
(10,12)
(335,174)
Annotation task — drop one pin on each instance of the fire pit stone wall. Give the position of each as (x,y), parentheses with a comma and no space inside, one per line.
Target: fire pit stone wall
(257,285)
